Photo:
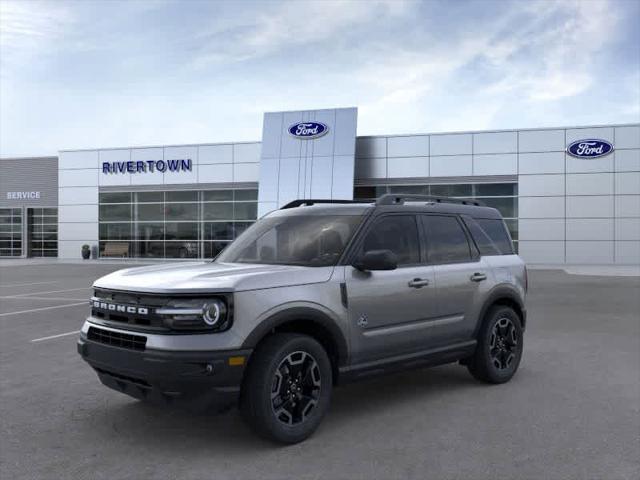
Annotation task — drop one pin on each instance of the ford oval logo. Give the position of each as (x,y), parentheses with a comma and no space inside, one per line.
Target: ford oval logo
(590,148)
(308,130)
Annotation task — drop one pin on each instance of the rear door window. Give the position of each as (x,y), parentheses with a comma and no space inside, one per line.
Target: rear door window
(446,240)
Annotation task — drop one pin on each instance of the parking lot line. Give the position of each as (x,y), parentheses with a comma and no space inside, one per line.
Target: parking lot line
(54,336)
(27,284)
(52,291)
(43,308)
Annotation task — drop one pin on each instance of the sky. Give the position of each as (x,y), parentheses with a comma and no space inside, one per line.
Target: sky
(85,74)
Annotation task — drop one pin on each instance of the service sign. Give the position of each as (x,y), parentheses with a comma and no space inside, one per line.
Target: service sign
(589,148)
(308,130)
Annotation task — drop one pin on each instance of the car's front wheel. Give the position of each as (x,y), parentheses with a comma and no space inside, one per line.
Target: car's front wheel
(499,348)
(287,388)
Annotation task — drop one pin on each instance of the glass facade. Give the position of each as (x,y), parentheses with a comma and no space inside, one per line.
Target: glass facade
(10,232)
(503,196)
(173,224)
(42,228)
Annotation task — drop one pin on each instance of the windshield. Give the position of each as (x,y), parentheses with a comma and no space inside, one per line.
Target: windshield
(312,240)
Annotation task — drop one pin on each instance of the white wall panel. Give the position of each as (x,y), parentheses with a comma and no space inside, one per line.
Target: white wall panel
(589,229)
(371,147)
(627,160)
(77,213)
(545,162)
(80,159)
(452,144)
(540,185)
(501,164)
(403,167)
(321,177)
(541,229)
(601,133)
(215,173)
(268,179)
(215,154)
(628,137)
(590,184)
(342,168)
(371,168)
(323,146)
(628,183)
(541,141)
(289,178)
(627,253)
(590,206)
(410,146)
(246,172)
(496,142)
(77,195)
(541,252)
(627,228)
(272,134)
(77,231)
(290,146)
(77,178)
(541,207)
(627,205)
(589,252)
(147,178)
(246,153)
(344,143)
(451,166)
(586,165)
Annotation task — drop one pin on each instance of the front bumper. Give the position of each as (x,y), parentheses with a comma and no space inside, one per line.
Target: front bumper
(194,379)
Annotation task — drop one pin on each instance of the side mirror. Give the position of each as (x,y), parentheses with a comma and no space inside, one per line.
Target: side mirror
(377,260)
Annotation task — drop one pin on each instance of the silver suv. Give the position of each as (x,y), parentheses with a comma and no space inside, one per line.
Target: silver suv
(313,295)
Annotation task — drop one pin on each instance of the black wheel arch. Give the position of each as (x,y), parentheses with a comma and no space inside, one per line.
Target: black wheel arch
(507,296)
(308,321)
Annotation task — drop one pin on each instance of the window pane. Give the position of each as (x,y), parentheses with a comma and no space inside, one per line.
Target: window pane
(122,249)
(217,211)
(146,212)
(115,231)
(409,189)
(181,211)
(446,240)
(211,249)
(508,207)
(118,197)
(148,249)
(240,227)
(50,211)
(150,231)
(217,195)
(115,212)
(218,231)
(246,211)
(497,232)
(397,233)
(181,249)
(188,196)
(496,189)
(455,190)
(181,231)
(368,193)
(243,195)
(150,197)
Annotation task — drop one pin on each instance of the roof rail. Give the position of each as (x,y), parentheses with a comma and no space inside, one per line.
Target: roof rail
(301,202)
(400,199)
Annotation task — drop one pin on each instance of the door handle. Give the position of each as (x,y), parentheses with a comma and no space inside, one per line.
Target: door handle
(418,283)
(478,277)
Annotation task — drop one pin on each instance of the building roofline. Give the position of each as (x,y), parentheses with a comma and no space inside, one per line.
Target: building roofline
(43,157)
(207,144)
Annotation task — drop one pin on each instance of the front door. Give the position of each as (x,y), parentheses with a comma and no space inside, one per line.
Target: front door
(390,311)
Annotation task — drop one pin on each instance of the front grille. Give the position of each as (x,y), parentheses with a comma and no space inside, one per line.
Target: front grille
(148,321)
(117,339)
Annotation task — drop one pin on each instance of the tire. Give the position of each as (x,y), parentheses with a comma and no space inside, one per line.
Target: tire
(297,369)
(500,345)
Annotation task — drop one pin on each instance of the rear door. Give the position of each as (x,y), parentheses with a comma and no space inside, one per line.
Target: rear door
(389,311)
(461,277)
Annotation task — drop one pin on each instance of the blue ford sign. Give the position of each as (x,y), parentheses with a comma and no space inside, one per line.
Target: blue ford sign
(308,130)
(144,166)
(589,148)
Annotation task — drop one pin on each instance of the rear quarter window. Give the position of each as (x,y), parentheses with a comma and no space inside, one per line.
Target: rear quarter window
(490,235)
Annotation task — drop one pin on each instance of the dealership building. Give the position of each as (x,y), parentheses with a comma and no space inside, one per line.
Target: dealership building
(569,195)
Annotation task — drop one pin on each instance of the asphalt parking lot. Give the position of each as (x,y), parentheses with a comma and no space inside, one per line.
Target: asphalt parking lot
(572,411)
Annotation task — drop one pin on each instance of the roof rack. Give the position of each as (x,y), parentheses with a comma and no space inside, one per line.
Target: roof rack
(400,199)
(301,202)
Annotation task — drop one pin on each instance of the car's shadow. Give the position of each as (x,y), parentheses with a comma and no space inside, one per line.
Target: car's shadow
(162,426)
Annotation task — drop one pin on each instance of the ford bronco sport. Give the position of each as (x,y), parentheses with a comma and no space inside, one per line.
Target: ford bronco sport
(315,294)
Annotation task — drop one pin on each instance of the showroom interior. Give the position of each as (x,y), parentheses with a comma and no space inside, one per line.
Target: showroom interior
(190,201)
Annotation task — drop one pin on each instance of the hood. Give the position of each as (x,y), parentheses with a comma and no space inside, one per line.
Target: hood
(206,276)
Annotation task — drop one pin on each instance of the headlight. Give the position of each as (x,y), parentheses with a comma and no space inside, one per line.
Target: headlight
(196,314)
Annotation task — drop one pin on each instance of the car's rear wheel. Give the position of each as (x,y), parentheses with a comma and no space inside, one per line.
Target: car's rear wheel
(500,345)
(287,388)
